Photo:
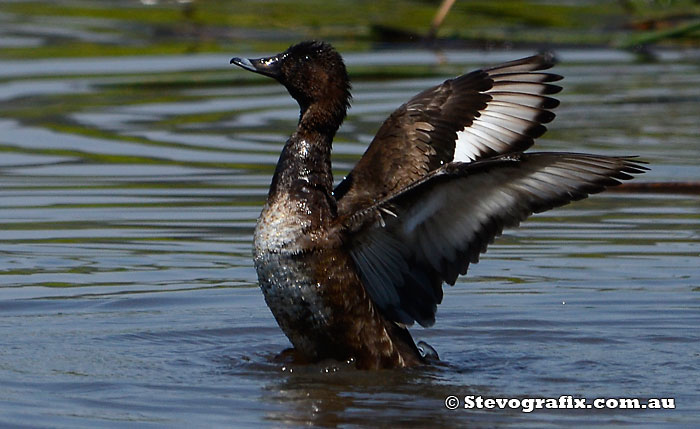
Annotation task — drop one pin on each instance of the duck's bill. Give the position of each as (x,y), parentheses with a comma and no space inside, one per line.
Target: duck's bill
(266,66)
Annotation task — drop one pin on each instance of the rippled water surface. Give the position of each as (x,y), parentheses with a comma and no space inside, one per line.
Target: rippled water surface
(129,189)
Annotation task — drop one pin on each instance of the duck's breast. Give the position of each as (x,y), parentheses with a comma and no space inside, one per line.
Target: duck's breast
(295,299)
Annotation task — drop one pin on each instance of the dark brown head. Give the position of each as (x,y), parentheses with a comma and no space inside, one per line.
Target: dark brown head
(313,73)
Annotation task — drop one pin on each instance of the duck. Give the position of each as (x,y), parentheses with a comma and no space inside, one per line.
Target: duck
(347,269)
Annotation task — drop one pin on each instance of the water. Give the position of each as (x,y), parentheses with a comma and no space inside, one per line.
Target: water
(130,189)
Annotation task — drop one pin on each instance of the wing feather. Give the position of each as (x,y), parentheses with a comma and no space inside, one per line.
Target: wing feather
(485,113)
(444,221)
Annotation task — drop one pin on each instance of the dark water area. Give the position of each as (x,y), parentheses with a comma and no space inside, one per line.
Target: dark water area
(129,189)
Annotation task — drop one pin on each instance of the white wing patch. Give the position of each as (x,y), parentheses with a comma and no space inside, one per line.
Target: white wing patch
(515,110)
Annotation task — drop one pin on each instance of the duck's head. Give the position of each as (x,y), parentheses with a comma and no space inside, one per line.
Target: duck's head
(313,73)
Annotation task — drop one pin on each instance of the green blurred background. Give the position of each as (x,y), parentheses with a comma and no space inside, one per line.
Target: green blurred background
(69,28)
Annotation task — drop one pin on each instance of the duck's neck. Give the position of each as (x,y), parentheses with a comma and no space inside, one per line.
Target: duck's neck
(304,168)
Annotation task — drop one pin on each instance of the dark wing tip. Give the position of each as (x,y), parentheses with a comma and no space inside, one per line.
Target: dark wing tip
(632,165)
(552,77)
(536,131)
(542,61)
(549,103)
(548,59)
(551,89)
(545,117)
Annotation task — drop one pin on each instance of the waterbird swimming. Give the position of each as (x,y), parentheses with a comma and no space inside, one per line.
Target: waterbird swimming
(345,271)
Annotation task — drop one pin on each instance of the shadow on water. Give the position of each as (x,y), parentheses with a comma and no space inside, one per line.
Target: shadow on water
(130,188)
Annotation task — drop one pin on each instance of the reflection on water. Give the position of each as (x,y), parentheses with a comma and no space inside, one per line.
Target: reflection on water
(130,188)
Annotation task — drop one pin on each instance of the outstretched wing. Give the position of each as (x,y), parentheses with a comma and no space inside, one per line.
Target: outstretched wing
(481,114)
(408,244)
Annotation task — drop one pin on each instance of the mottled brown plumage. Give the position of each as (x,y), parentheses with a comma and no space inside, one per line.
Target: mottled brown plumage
(345,271)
